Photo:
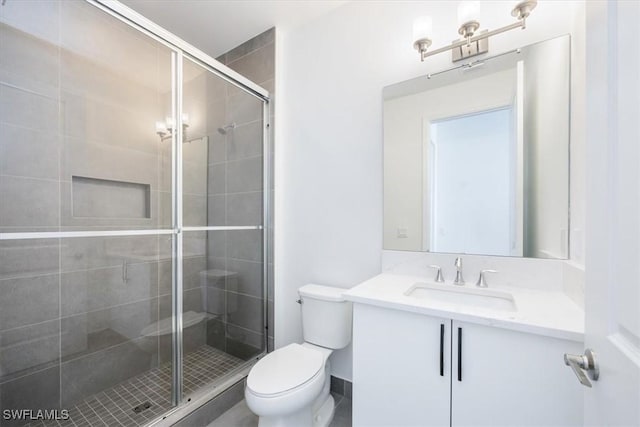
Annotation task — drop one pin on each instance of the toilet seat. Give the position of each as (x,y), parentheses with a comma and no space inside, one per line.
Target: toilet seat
(285,370)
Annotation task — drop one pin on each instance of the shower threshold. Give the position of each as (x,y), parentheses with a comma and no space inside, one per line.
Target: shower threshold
(146,397)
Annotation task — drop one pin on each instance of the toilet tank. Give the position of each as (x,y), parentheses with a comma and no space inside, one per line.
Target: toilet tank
(326,316)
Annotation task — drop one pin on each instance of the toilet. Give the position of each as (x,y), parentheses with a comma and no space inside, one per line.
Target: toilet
(290,386)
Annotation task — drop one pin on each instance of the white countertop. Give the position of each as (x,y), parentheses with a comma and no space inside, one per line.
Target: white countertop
(541,312)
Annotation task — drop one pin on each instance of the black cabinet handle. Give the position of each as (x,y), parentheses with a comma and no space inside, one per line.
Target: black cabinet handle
(442,350)
(459,354)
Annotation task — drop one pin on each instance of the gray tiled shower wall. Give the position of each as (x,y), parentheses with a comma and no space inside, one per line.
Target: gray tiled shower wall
(78,315)
(235,198)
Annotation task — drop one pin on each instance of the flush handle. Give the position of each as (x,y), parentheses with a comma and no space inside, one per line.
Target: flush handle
(581,363)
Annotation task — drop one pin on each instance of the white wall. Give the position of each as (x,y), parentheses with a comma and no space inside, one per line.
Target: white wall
(330,75)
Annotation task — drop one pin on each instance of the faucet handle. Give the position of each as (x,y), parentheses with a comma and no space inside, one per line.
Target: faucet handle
(439,278)
(482,282)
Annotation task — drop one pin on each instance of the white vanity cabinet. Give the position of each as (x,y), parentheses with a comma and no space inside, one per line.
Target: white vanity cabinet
(510,378)
(502,377)
(396,368)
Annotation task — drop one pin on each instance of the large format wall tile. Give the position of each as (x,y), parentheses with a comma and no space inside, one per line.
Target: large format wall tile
(248,278)
(194,209)
(98,252)
(96,36)
(40,390)
(243,108)
(244,208)
(245,245)
(257,42)
(258,66)
(29,348)
(30,57)
(28,300)
(95,372)
(29,109)
(217,179)
(244,311)
(28,202)
(192,269)
(33,257)
(244,175)
(110,162)
(96,331)
(97,289)
(217,210)
(245,141)
(28,152)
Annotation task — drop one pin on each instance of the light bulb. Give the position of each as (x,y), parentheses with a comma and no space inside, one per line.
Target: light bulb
(161,128)
(169,122)
(185,119)
(468,11)
(422,28)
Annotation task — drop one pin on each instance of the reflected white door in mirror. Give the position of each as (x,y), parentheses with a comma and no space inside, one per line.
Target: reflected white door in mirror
(476,160)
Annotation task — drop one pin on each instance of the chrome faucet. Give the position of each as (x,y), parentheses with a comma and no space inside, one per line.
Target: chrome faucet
(459,280)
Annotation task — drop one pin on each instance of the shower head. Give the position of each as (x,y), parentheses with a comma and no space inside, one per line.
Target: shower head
(223,130)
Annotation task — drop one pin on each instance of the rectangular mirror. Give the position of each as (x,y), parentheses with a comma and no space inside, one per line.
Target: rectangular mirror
(476,158)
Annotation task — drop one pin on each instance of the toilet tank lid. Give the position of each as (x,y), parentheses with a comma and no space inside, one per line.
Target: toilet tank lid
(325,293)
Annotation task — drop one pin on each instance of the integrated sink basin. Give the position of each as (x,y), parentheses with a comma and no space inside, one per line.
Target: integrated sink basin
(479,298)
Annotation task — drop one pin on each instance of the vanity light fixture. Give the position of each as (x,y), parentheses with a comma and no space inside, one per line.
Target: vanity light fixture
(472,42)
(165,129)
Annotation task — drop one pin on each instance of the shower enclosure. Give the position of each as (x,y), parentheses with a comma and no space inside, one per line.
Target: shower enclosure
(133,213)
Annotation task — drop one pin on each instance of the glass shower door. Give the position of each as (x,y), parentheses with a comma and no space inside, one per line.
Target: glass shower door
(222,200)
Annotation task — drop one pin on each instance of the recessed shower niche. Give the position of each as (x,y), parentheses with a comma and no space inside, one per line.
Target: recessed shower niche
(101,198)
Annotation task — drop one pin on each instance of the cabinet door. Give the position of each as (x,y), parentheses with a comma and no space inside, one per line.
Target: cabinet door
(510,378)
(397,376)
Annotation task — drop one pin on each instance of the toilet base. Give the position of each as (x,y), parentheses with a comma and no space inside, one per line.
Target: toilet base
(324,416)
(304,417)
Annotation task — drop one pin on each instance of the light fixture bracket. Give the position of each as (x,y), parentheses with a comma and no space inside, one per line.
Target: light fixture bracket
(469,50)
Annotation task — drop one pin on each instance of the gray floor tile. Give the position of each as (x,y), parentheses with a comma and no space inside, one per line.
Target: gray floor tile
(114,406)
(241,416)
(238,416)
(342,416)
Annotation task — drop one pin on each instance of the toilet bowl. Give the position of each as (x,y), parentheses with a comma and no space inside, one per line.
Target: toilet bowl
(290,386)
